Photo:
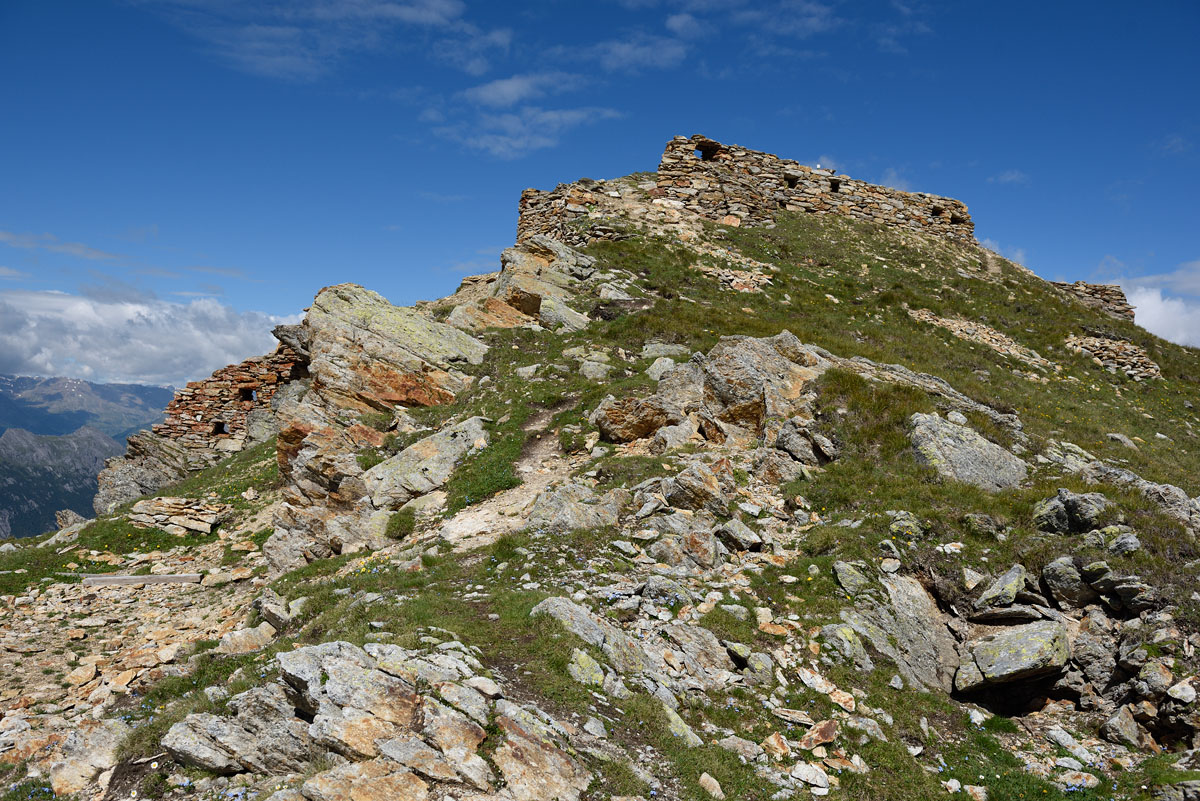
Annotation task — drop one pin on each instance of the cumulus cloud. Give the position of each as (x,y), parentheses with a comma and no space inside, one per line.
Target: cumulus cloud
(146,340)
(506,92)
(1174,319)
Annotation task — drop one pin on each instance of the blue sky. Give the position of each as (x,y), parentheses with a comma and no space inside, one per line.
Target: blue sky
(179,175)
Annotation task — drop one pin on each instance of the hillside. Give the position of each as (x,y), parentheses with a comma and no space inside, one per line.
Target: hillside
(57,406)
(41,475)
(55,434)
(740,479)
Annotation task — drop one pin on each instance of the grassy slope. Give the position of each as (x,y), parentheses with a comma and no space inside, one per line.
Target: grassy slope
(816,257)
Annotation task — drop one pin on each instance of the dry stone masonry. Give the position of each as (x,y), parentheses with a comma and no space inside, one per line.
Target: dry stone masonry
(212,414)
(1106,297)
(739,186)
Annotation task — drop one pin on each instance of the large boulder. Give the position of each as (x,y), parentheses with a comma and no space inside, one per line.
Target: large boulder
(960,453)
(573,507)
(1015,654)
(1070,512)
(425,465)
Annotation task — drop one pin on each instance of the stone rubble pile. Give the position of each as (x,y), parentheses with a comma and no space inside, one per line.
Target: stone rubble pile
(1116,356)
(179,515)
(986,335)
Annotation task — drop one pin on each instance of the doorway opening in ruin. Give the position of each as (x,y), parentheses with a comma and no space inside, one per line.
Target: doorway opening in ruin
(220,427)
(835,185)
(248,394)
(707,151)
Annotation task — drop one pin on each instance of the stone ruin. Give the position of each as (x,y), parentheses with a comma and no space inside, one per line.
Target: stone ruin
(1108,298)
(738,186)
(205,421)
(213,414)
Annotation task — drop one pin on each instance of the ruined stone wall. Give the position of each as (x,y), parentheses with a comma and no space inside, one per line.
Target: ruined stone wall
(746,187)
(1106,297)
(736,186)
(562,214)
(211,414)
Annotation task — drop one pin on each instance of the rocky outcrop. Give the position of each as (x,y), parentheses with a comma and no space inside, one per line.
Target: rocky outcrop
(537,278)
(393,723)
(205,422)
(1014,654)
(150,463)
(364,356)
(959,453)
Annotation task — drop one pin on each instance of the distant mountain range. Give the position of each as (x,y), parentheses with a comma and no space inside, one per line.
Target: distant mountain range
(55,434)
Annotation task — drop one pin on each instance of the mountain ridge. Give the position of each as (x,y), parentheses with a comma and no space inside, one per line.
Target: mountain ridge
(738,480)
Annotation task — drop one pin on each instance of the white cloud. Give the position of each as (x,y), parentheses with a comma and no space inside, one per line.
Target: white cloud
(53,244)
(1183,280)
(794,18)
(516,133)
(520,88)
(1174,319)
(9,274)
(1010,177)
(686,26)
(302,39)
(109,338)
(639,51)
(471,49)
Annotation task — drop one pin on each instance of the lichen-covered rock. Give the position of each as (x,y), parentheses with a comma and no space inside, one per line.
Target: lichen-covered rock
(628,419)
(696,488)
(263,736)
(574,507)
(424,466)
(1003,591)
(1016,653)
(959,453)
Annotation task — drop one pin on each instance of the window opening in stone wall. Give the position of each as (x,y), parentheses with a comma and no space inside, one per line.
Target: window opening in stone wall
(248,394)
(835,185)
(220,427)
(957,220)
(936,211)
(707,152)
(791,180)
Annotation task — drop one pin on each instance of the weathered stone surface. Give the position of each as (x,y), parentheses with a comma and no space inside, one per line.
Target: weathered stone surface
(959,453)
(262,736)
(1017,653)
(533,766)
(696,488)
(377,780)
(572,507)
(1065,584)
(89,749)
(1003,591)
(425,465)
(628,419)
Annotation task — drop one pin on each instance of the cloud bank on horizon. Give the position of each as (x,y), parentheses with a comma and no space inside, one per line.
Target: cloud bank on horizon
(122,340)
